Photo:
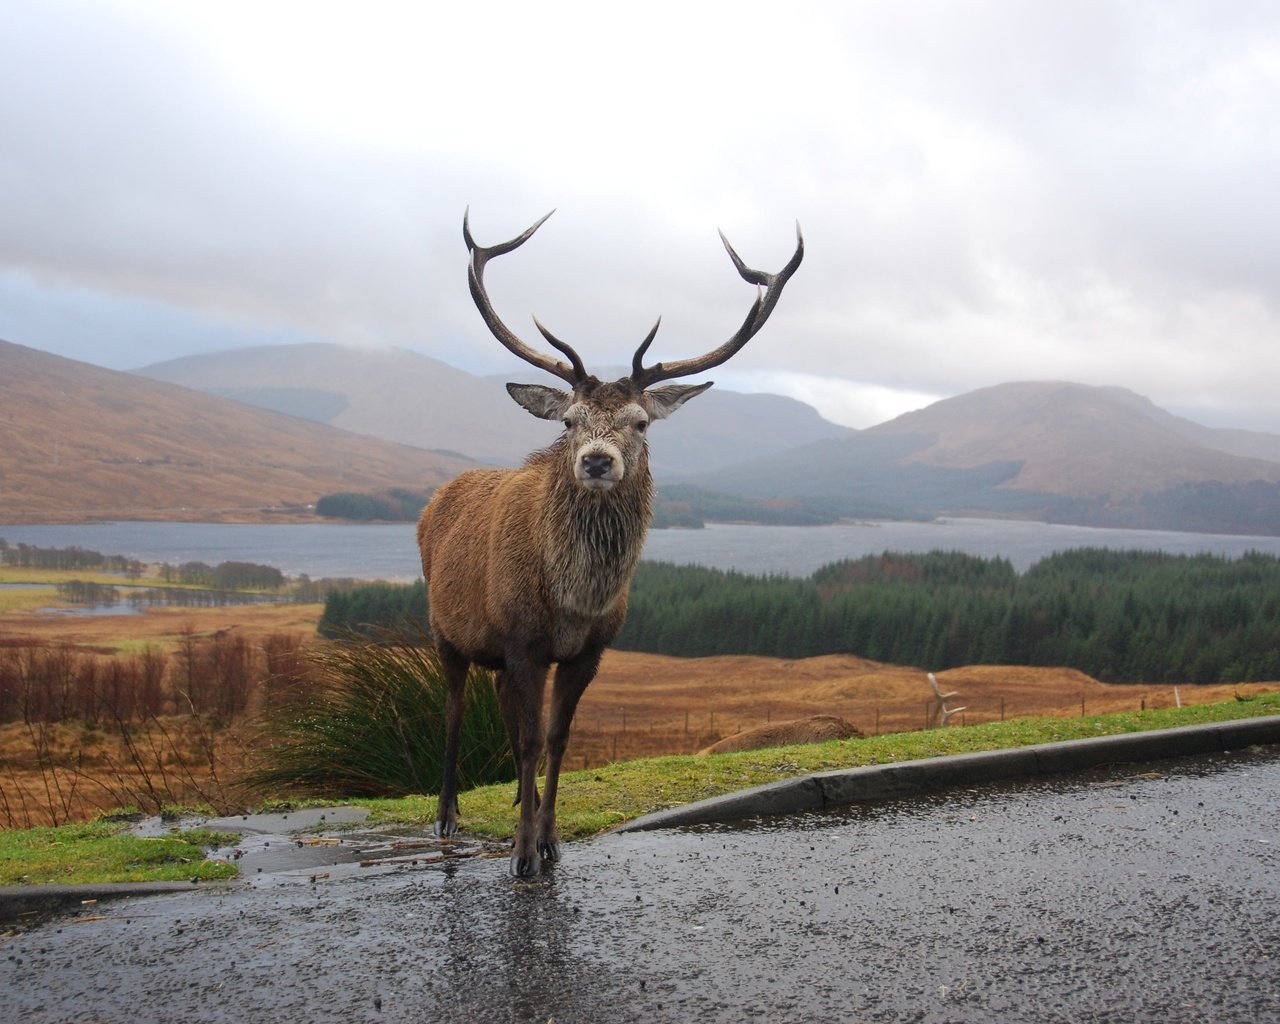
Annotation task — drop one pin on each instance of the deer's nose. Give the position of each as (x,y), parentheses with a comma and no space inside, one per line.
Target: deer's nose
(597,466)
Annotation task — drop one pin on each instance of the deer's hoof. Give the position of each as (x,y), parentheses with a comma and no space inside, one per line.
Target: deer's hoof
(549,849)
(446,827)
(525,867)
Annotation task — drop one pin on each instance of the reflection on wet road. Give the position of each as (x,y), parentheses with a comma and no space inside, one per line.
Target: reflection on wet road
(1147,893)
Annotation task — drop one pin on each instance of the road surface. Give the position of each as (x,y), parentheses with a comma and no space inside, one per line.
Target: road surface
(1138,893)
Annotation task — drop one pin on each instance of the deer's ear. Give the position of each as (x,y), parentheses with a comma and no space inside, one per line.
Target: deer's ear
(545,403)
(666,400)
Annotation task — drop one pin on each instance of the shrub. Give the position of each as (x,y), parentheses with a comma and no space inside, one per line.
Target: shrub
(372,724)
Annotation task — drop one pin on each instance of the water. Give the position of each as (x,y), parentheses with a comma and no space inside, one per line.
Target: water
(389,551)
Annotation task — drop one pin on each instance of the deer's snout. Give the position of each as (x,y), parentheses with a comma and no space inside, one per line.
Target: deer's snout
(598,469)
(597,466)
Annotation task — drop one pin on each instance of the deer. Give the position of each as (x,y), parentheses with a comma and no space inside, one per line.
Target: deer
(528,567)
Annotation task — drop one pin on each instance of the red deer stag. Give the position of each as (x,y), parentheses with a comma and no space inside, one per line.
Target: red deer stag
(530,566)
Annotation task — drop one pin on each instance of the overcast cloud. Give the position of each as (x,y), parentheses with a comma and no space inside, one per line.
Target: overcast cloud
(989,191)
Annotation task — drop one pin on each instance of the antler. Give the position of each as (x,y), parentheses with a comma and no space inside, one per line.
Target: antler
(480,255)
(768,291)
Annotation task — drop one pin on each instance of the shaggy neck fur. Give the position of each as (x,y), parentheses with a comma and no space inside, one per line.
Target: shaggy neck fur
(592,539)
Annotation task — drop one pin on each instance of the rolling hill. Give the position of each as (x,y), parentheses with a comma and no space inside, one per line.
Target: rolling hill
(80,442)
(402,396)
(1048,450)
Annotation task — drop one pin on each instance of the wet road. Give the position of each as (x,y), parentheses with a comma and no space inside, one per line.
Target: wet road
(1141,894)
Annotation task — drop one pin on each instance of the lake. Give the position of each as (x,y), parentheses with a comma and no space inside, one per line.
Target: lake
(389,551)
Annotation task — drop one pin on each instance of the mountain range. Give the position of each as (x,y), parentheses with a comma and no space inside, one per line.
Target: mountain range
(276,427)
(1049,450)
(403,396)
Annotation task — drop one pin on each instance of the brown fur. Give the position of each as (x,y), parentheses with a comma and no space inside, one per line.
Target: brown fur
(816,729)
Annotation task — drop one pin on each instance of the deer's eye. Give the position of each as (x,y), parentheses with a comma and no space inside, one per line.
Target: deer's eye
(641,426)
(568,424)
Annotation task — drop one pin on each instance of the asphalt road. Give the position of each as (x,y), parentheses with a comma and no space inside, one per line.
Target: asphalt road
(1138,893)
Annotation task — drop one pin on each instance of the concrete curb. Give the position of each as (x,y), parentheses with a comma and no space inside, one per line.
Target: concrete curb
(827,790)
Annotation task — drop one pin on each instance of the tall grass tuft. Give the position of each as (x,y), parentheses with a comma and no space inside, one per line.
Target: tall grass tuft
(370,722)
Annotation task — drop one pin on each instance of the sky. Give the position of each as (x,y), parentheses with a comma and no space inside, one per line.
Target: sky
(989,190)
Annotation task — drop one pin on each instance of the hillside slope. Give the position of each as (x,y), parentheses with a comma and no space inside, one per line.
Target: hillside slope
(1044,450)
(403,396)
(78,442)
(1073,440)
(393,394)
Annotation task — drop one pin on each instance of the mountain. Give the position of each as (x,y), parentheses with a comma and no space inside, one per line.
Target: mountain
(1074,440)
(79,442)
(1043,450)
(393,394)
(410,398)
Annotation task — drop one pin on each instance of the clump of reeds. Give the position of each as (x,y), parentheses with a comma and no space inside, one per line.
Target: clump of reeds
(370,722)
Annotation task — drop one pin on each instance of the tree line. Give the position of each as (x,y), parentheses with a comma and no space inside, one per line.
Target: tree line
(374,608)
(31,556)
(396,505)
(1120,616)
(224,575)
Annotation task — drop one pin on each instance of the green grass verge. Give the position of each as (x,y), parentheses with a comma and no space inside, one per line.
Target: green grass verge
(102,851)
(597,799)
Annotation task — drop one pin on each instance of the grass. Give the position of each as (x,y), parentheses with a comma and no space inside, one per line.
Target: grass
(52,577)
(102,851)
(24,599)
(590,801)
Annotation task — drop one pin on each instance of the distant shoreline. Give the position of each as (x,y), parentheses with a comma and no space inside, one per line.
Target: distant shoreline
(388,551)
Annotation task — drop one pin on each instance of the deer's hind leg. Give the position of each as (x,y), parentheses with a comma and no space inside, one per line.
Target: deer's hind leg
(455,666)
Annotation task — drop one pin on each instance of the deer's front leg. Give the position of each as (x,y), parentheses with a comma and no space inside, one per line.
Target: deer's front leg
(525,682)
(571,681)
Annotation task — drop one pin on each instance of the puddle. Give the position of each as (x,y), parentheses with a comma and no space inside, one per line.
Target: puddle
(318,842)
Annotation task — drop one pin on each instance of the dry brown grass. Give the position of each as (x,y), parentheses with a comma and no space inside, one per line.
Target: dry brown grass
(162,627)
(640,705)
(791,733)
(51,774)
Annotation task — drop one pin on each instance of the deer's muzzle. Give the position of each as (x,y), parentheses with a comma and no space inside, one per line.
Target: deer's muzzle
(598,467)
